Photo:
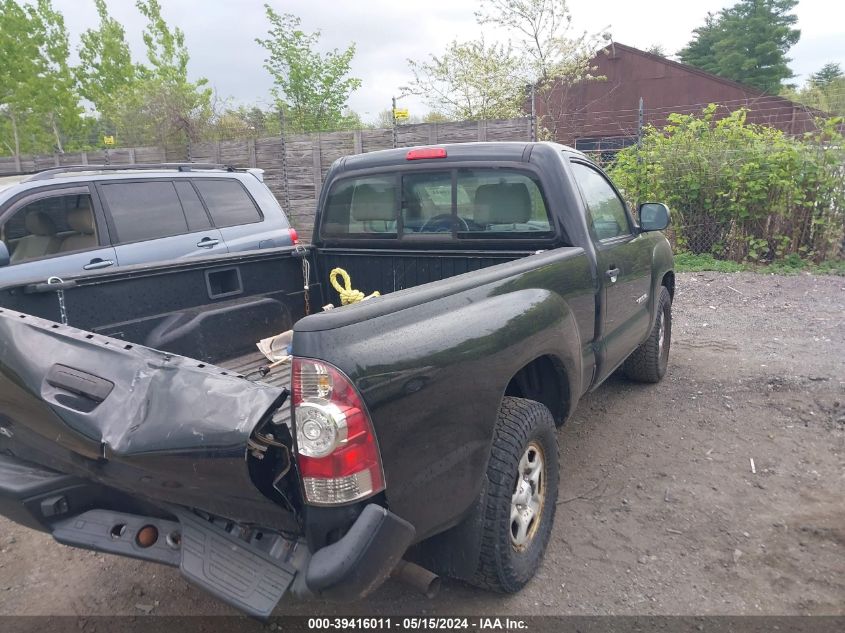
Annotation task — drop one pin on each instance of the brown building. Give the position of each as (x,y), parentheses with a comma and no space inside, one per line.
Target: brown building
(604,114)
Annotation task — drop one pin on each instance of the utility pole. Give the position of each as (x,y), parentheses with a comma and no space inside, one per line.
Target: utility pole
(393,117)
(533,113)
(640,125)
(284,148)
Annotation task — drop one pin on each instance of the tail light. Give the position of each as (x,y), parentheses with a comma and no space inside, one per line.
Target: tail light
(294,236)
(337,450)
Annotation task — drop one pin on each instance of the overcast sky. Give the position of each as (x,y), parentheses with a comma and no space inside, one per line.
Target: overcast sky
(220,35)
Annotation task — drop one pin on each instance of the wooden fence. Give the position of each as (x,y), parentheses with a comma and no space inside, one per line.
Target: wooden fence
(294,165)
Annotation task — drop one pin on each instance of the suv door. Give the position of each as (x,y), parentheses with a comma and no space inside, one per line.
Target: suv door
(54,232)
(624,266)
(157,220)
(236,214)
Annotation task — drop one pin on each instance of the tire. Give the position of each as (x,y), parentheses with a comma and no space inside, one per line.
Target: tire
(512,548)
(648,362)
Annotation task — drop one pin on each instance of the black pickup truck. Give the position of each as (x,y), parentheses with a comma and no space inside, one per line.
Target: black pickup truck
(411,433)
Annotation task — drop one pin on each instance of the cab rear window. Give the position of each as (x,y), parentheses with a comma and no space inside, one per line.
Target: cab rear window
(459,203)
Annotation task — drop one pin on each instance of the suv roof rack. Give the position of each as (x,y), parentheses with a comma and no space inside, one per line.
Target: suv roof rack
(53,172)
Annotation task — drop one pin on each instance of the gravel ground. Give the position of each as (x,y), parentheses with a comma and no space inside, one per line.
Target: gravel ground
(660,512)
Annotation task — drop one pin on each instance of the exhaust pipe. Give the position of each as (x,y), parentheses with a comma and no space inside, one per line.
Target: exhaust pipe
(419,578)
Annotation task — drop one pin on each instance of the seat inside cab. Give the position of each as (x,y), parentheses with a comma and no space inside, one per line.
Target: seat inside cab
(50,226)
(80,220)
(40,239)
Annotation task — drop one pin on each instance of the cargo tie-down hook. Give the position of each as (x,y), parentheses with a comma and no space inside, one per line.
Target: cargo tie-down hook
(301,252)
(60,293)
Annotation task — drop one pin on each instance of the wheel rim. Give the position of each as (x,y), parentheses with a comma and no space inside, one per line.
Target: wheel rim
(528,497)
(661,333)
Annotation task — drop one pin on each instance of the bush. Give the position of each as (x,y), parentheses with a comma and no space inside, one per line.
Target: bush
(742,191)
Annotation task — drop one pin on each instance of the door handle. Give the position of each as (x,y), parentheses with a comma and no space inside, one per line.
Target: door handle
(97,263)
(207,242)
(613,274)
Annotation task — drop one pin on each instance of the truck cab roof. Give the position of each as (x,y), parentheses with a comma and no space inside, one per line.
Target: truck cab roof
(511,151)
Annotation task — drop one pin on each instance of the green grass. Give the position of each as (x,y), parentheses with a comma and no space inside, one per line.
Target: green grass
(832,267)
(690,263)
(792,265)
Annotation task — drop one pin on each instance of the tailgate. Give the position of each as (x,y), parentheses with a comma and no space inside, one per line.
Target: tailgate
(158,425)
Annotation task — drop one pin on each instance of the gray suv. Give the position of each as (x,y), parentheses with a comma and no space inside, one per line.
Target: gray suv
(69,220)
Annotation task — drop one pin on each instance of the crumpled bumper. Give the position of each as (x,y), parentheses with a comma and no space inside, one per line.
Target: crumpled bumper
(247,568)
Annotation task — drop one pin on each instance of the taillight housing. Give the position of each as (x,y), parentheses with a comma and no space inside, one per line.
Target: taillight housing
(422,153)
(336,446)
(294,236)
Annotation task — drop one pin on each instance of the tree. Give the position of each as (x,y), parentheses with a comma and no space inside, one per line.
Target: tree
(162,103)
(19,54)
(824,90)
(470,80)
(37,93)
(312,88)
(656,49)
(747,42)
(828,74)
(106,66)
(700,50)
(553,57)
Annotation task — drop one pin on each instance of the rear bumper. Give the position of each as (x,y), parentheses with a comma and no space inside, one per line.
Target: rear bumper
(35,497)
(248,569)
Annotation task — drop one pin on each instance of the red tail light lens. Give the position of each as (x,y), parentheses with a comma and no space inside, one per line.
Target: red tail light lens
(294,237)
(426,152)
(338,454)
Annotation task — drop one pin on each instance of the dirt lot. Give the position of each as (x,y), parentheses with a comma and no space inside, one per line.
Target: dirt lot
(660,512)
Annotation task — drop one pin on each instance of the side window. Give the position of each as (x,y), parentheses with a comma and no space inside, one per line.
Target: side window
(195,213)
(144,210)
(607,211)
(50,226)
(228,202)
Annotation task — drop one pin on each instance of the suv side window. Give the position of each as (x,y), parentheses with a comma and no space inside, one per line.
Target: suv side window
(228,202)
(50,226)
(144,210)
(607,211)
(195,213)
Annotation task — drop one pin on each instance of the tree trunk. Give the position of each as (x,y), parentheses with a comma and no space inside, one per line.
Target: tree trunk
(59,147)
(17,139)
(15,133)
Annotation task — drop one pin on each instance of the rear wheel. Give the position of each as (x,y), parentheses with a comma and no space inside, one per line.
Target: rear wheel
(649,361)
(520,500)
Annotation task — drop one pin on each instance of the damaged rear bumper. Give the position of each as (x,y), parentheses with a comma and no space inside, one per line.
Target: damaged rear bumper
(249,568)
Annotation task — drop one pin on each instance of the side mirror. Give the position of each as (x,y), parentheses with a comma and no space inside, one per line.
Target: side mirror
(654,216)
(4,254)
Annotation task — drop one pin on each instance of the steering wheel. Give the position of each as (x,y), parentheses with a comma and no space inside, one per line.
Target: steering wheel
(438,219)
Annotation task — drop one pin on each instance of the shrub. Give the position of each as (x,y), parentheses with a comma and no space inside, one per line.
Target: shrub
(739,190)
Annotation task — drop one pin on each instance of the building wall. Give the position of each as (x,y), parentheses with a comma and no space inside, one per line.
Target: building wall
(609,107)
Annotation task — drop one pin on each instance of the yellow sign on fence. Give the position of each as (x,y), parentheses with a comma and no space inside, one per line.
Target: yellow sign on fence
(108,140)
(401,114)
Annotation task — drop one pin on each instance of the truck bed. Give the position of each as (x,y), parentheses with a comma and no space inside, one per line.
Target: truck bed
(248,366)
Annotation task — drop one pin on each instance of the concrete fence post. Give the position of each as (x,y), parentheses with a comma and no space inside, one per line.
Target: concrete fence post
(318,167)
